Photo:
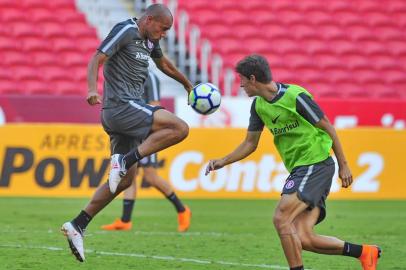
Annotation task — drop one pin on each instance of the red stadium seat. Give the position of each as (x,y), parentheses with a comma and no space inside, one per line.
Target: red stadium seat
(54,4)
(233,16)
(67,87)
(64,44)
(61,4)
(318,18)
(79,73)
(308,6)
(8,4)
(331,32)
(9,15)
(206,17)
(258,45)
(74,59)
(273,31)
(277,6)
(360,33)
(357,62)
(373,47)
(52,30)
(289,17)
(213,31)
(36,44)
(14,58)
(88,44)
(66,15)
(367,76)
(29,4)
(39,15)
(79,30)
(227,45)
(23,72)
(397,48)
(348,18)
(395,77)
(387,33)
(337,6)
(41,59)
(302,31)
(386,62)
(11,87)
(244,31)
(264,17)
(344,47)
(195,5)
(315,46)
(37,87)
(298,61)
(379,19)
(5,73)
(259,5)
(370,6)
(24,29)
(53,74)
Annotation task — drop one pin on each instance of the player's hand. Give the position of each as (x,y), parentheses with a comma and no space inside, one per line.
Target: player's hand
(214,164)
(93,98)
(345,176)
(189,89)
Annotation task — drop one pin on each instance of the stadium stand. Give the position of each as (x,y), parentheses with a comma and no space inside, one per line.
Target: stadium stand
(44,47)
(338,49)
(359,44)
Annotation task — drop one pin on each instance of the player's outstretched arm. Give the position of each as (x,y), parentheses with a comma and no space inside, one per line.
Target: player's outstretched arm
(344,171)
(96,61)
(166,66)
(243,150)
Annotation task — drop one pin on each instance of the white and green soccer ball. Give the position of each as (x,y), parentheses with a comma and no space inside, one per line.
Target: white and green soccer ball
(205,98)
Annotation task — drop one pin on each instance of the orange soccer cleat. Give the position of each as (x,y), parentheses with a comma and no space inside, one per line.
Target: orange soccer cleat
(118,225)
(184,219)
(369,257)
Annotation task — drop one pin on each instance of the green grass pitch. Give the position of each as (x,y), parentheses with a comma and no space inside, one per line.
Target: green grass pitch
(225,234)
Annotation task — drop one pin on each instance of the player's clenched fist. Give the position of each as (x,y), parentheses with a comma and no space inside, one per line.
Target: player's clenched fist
(93,98)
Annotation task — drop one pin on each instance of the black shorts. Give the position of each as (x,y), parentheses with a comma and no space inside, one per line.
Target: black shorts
(149,161)
(128,125)
(312,184)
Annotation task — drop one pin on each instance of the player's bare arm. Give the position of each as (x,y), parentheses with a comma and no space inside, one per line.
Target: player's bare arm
(96,61)
(166,66)
(242,151)
(344,171)
(154,103)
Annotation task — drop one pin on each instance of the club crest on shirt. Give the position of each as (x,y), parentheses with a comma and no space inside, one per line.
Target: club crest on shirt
(290,184)
(150,44)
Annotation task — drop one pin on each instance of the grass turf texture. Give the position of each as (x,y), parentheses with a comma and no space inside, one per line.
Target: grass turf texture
(225,234)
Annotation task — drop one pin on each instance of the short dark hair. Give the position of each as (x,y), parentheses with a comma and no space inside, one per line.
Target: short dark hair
(158,11)
(256,65)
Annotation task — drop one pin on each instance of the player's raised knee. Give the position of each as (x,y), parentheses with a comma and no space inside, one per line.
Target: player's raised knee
(182,130)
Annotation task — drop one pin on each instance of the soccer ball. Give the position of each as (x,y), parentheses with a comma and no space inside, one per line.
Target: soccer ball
(205,98)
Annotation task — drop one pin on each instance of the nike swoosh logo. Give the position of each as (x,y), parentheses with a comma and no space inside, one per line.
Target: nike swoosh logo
(274,120)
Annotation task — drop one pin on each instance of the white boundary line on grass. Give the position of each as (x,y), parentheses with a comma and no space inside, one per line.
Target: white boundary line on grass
(213,234)
(155,257)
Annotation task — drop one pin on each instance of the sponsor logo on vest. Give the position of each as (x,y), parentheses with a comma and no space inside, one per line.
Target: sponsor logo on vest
(141,56)
(287,128)
(150,45)
(290,184)
(274,120)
